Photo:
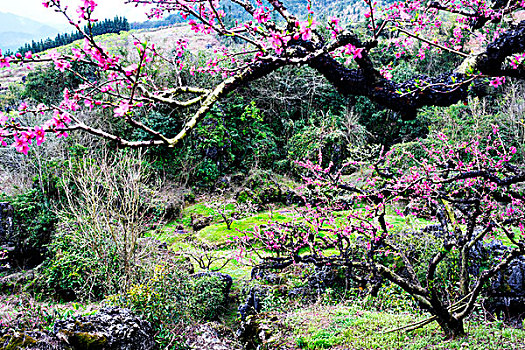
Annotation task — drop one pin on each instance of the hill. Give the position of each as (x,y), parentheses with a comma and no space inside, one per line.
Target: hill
(15,31)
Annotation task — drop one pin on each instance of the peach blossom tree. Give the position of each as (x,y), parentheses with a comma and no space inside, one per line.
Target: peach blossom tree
(487,36)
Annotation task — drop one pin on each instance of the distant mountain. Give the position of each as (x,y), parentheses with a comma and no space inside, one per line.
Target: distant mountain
(15,31)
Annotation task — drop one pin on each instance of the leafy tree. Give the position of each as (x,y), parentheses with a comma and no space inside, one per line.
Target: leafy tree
(472,188)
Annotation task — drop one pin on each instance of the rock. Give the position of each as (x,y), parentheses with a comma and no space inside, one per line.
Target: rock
(505,295)
(252,304)
(173,208)
(263,331)
(206,336)
(109,329)
(200,222)
(323,277)
(6,221)
(435,230)
(10,282)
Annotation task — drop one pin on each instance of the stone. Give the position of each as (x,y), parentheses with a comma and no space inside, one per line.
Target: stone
(436,230)
(207,336)
(199,223)
(109,329)
(505,294)
(6,221)
(10,282)
(251,305)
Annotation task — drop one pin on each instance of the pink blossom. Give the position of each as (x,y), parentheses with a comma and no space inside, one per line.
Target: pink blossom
(131,69)
(3,118)
(40,135)
(497,81)
(260,15)
(122,109)
(278,41)
(21,144)
(4,62)
(77,54)
(23,107)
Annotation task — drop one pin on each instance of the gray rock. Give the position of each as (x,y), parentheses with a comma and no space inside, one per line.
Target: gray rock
(206,336)
(6,221)
(251,305)
(13,280)
(109,329)
(505,294)
(200,222)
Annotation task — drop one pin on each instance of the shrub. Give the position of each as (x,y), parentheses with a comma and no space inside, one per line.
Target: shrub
(207,297)
(33,225)
(171,298)
(109,205)
(74,272)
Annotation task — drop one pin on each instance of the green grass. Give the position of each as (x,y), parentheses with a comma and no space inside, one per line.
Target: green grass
(350,327)
(219,233)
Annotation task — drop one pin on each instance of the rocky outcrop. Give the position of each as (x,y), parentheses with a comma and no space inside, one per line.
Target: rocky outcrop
(109,329)
(11,282)
(6,221)
(505,294)
(6,234)
(251,305)
(208,336)
(198,223)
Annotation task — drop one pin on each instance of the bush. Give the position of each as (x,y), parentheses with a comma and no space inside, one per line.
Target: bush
(34,224)
(206,297)
(110,203)
(171,298)
(74,272)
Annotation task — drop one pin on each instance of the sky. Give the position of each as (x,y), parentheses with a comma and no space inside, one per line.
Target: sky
(34,10)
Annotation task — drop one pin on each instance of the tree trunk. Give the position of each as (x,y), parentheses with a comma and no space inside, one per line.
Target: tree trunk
(452,327)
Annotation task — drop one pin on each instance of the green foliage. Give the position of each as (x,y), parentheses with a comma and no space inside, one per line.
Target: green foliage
(171,297)
(386,127)
(34,220)
(206,297)
(233,137)
(322,339)
(46,85)
(332,134)
(108,204)
(158,299)
(77,272)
